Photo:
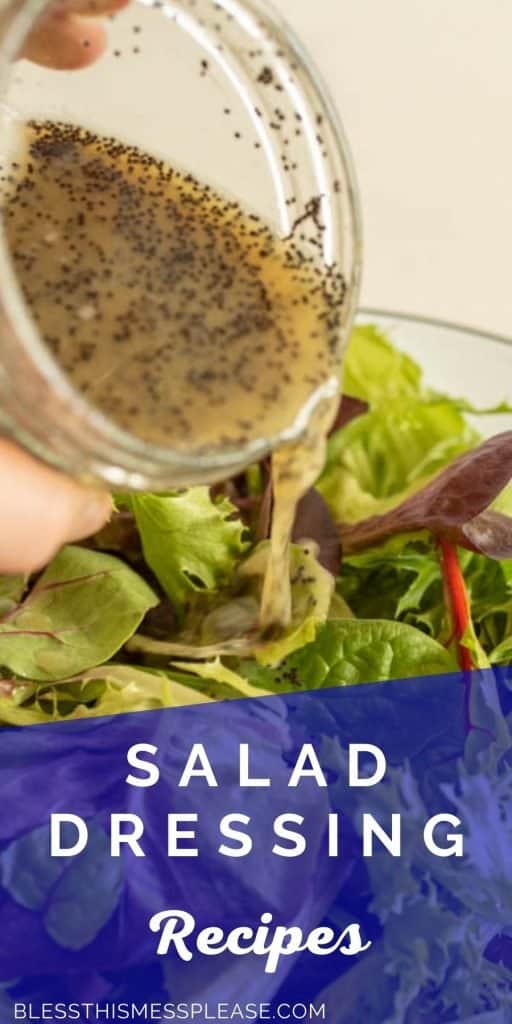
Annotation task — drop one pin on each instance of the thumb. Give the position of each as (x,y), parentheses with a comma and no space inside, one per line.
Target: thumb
(41,509)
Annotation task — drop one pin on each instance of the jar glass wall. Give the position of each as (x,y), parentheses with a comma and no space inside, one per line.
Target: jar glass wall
(224,90)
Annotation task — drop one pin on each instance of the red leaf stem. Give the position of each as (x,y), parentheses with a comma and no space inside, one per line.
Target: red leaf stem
(457,598)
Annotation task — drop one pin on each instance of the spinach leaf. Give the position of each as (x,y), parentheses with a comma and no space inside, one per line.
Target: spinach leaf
(351,651)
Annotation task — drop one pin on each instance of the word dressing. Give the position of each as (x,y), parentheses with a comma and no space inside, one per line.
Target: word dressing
(289,835)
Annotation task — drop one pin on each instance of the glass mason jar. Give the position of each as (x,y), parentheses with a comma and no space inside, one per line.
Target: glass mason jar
(200,84)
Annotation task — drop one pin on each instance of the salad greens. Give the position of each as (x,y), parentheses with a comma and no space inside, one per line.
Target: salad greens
(400,567)
(453,504)
(352,651)
(189,542)
(376,372)
(79,613)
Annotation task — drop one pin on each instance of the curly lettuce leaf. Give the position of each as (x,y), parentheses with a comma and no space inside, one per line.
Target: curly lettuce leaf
(190,541)
(130,688)
(410,433)
(220,681)
(375,371)
(380,459)
(15,714)
(395,580)
(79,613)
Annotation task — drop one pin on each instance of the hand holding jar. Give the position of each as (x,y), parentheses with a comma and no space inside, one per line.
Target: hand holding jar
(41,508)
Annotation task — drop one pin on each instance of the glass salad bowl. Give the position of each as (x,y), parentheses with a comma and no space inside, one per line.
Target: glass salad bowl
(455,359)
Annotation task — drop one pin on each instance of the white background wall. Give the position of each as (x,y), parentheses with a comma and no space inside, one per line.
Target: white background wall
(424,88)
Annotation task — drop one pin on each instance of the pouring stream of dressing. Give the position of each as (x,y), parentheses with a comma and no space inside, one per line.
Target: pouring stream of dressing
(295,468)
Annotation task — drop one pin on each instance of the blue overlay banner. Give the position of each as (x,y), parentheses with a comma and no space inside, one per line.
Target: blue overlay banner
(338,854)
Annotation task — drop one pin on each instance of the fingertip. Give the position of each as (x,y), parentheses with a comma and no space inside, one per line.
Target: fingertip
(42,510)
(65,42)
(93,509)
(68,516)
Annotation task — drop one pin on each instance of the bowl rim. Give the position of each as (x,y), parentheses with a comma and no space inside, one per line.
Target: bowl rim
(432,321)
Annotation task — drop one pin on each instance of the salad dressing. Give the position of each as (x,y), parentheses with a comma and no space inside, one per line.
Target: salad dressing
(295,468)
(176,313)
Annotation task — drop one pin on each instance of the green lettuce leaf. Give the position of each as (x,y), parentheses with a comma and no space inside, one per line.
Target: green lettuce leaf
(455,505)
(13,715)
(129,688)
(387,618)
(502,653)
(381,458)
(191,542)
(80,612)
(226,682)
(376,371)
